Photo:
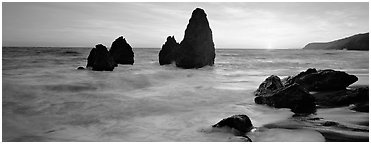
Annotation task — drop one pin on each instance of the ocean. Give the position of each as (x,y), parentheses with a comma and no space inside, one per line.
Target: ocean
(45,98)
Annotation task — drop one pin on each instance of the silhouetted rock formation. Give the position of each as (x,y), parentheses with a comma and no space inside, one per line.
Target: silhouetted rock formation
(360,107)
(197,48)
(122,52)
(294,97)
(241,123)
(269,85)
(356,42)
(167,53)
(321,80)
(100,59)
(359,97)
(330,89)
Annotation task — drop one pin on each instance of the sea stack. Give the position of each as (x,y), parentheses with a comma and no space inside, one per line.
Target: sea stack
(100,59)
(121,51)
(167,53)
(197,48)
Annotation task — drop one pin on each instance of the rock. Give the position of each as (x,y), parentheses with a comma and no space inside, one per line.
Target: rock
(197,48)
(360,107)
(167,52)
(355,42)
(121,51)
(292,79)
(242,123)
(331,131)
(269,85)
(330,123)
(294,97)
(322,80)
(100,59)
(80,68)
(359,96)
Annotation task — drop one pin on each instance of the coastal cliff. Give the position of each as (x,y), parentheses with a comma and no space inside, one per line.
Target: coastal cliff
(355,42)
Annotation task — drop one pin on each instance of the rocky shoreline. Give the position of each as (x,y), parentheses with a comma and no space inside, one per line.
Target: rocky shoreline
(304,94)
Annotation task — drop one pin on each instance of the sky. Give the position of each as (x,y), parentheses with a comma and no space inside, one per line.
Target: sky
(268,25)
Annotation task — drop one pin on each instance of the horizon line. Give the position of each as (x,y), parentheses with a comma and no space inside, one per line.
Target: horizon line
(132,47)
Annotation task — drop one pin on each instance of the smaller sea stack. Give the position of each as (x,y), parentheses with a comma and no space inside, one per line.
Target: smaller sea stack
(121,51)
(100,59)
(167,53)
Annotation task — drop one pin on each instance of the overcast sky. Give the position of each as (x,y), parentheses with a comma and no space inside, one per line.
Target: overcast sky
(234,25)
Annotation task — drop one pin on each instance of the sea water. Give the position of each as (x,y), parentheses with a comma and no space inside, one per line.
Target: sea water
(45,98)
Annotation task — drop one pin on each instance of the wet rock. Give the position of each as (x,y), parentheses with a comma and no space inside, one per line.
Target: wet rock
(80,68)
(358,96)
(294,97)
(321,80)
(167,52)
(197,48)
(100,59)
(269,85)
(121,51)
(330,123)
(241,123)
(332,131)
(360,107)
(292,79)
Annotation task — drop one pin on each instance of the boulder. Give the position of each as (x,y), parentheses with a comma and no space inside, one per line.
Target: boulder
(100,59)
(294,97)
(358,96)
(197,47)
(242,123)
(167,52)
(269,85)
(121,51)
(292,79)
(321,80)
(360,107)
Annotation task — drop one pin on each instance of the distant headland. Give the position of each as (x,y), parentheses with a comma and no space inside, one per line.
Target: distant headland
(355,42)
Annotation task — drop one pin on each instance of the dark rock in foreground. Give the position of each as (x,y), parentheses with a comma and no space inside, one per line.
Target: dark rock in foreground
(242,123)
(100,59)
(269,85)
(342,97)
(294,97)
(197,48)
(356,42)
(331,130)
(321,80)
(167,52)
(329,87)
(360,107)
(122,52)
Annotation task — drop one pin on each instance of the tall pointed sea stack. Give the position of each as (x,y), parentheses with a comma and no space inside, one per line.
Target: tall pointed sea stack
(197,48)
(100,59)
(167,53)
(122,52)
